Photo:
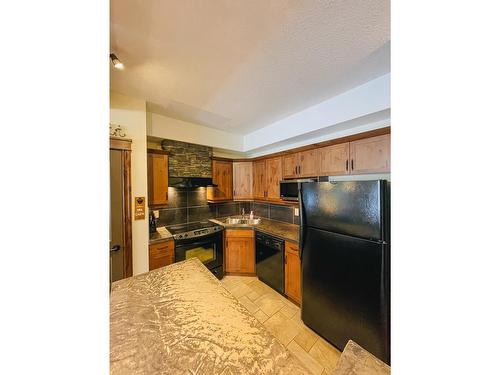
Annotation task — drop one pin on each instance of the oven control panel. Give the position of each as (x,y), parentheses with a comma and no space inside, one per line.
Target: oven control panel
(198,232)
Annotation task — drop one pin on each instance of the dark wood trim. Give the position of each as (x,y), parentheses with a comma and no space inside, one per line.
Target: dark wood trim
(127,219)
(218,158)
(116,143)
(160,152)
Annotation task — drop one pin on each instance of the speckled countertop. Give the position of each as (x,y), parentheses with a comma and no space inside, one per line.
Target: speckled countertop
(157,237)
(286,231)
(357,361)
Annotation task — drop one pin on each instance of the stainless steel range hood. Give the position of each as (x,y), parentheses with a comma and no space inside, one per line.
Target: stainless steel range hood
(189,182)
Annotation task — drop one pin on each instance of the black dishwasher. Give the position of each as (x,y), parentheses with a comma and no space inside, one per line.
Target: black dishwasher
(269,255)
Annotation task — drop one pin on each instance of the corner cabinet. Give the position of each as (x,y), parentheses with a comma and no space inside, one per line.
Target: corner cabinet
(157,177)
(259,179)
(242,180)
(239,251)
(222,176)
(292,272)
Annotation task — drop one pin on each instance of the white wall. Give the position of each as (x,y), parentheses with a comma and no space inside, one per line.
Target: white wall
(364,100)
(130,113)
(166,127)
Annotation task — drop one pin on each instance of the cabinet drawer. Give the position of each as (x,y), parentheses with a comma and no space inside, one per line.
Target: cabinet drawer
(160,250)
(238,233)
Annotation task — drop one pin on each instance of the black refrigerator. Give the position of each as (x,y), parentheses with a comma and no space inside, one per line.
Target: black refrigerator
(344,249)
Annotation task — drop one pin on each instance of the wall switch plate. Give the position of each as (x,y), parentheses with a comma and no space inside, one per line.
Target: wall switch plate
(296,211)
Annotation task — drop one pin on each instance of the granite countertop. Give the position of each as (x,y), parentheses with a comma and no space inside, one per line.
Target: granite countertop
(180,319)
(357,361)
(157,237)
(286,231)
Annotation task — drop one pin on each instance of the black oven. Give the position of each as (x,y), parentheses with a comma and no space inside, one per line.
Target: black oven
(206,248)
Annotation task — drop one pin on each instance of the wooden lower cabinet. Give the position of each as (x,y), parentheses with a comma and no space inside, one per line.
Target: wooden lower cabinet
(292,272)
(161,254)
(239,251)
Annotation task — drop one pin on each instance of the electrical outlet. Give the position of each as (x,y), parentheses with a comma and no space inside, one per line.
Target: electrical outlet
(296,211)
(156,214)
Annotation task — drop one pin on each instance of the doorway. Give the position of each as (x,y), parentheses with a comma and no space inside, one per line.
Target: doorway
(120,221)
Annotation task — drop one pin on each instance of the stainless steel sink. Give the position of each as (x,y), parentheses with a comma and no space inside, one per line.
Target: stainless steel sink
(241,221)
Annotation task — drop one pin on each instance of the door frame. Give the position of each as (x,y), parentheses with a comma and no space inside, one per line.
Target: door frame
(125,146)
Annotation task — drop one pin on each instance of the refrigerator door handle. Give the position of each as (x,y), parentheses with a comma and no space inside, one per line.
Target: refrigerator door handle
(301,228)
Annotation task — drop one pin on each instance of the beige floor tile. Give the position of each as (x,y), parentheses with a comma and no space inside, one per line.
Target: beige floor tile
(325,354)
(253,295)
(306,338)
(289,310)
(282,328)
(248,279)
(252,307)
(240,290)
(269,303)
(261,317)
(309,362)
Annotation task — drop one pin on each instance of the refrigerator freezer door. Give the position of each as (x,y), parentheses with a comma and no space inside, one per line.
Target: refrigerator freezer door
(354,208)
(345,290)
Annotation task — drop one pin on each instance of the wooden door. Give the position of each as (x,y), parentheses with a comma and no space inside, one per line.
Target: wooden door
(239,252)
(370,155)
(290,166)
(120,225)
(222,172)
(274,175)
(334,160)
(161,254)
(242,180)
(308,163)
(292,272)
(259,179)
(157,178)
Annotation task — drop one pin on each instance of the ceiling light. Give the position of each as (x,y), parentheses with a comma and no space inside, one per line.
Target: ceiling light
(116,63)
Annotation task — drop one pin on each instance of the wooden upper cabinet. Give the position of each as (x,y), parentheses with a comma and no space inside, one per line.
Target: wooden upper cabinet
(292,272)
(222,176)
(291,166)
(239,251)
(242,180)
(259,179)
(334,160)
(157,177)
(370,155)
(308,163)
(274,175)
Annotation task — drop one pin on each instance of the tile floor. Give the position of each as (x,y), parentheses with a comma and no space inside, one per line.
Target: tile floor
(282,318)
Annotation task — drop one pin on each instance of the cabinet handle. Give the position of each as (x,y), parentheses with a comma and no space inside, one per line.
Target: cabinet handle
(346,165)
(352,164)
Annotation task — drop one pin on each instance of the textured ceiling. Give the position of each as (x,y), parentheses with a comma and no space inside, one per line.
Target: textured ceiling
(241,65)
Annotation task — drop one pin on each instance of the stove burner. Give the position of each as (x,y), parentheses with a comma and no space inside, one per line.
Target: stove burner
(193,230)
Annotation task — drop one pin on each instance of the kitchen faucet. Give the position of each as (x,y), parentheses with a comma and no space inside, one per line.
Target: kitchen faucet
(243,212)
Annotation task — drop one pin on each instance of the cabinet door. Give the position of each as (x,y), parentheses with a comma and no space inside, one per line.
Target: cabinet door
(242,180)
(292,272)
(222,175)
(371,155)
(259,179)
(308,163)
(274,173)
(161,254)
(290,166)
(334,160)
(157,179)
(239,251)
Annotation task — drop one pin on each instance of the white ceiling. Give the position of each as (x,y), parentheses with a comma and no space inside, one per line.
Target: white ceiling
(241,65)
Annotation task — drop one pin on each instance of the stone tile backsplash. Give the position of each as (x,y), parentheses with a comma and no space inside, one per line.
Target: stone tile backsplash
(186,206)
